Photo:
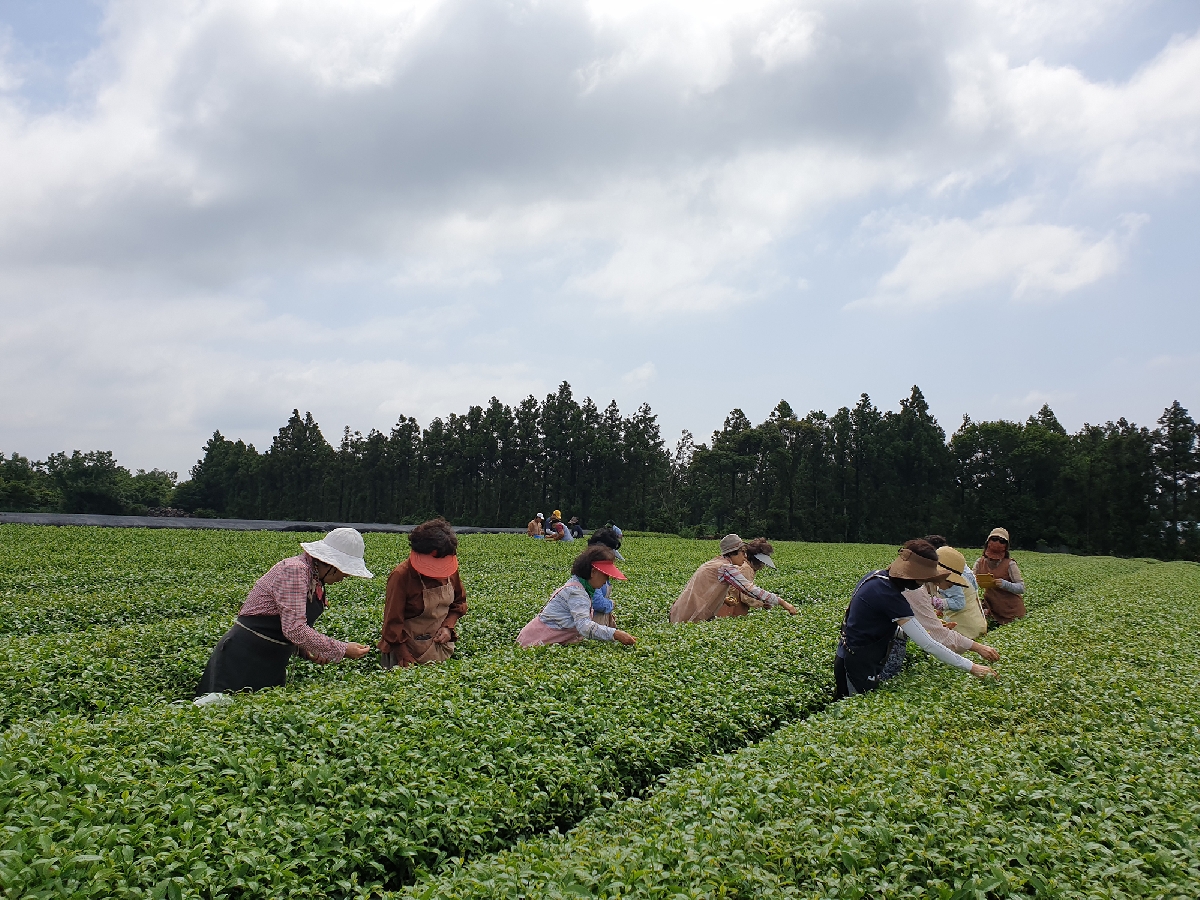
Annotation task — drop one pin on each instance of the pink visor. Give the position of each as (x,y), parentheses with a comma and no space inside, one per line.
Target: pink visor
(433,566)
(610,569)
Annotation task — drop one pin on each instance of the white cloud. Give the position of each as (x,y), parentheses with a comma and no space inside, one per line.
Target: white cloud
(231,173)
(789,40)
(955,259)
(643,374)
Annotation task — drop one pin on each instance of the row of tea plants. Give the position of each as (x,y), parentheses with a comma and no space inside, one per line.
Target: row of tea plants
(1077,774)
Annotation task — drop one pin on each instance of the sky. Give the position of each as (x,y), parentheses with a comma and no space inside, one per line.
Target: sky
(215,211)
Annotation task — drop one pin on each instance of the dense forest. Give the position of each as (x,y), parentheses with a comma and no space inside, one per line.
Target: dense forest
(858,475)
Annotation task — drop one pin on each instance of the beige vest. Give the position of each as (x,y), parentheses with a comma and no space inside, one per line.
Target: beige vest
(437,601)
(971,621)
(704,594)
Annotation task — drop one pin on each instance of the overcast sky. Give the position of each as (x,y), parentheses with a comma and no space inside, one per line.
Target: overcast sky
(213,212)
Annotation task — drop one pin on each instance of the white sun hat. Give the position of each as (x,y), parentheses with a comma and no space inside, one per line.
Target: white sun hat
(343,548)
(765,560)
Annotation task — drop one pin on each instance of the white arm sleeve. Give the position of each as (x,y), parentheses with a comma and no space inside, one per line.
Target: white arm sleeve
(919,636)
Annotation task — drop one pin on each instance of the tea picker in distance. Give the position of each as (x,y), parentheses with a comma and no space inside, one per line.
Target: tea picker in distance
(876,608)
(567,617)
(277,619)
(425,599)
(998,575)
(705,591)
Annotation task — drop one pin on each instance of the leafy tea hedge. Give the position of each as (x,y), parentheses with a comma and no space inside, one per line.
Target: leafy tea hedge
(1077,774)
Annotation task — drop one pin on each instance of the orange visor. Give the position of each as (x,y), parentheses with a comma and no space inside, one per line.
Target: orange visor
(433,566)
(608,568)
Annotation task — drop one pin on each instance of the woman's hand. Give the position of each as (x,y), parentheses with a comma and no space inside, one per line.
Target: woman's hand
(982,671)
(790,609)
(625,638)
(443,636)
(991,654)
(357,651)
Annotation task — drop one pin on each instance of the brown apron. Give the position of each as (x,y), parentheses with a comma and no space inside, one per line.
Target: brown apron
(1003,606)
(422,629)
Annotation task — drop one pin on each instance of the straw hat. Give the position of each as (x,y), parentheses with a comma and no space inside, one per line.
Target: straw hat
(914,567)
(731,543)
(949,558)
(1000,533)
(343,549)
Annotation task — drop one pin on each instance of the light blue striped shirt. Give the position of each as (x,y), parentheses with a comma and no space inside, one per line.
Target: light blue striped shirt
(571,607)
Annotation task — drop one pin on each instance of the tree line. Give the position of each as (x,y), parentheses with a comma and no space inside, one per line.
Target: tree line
(859,475)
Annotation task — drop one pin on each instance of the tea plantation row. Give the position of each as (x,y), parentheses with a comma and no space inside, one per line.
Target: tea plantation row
(352,780)
(1075,775)
(96,620)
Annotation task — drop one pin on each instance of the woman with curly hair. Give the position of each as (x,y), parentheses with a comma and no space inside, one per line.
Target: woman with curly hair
(758,557)
(425,599)
(567,617)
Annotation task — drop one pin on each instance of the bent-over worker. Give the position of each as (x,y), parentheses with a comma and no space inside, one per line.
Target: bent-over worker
(923,601)
(567,617)
(705,592)
(277,619)
(876,608)
(758,557)
(960,604)
(602,602)
(425,599)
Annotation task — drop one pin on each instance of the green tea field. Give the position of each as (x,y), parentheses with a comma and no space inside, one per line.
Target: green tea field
(707,761)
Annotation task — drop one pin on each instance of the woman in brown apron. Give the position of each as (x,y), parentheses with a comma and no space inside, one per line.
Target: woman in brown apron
(1004,588)
(425,599)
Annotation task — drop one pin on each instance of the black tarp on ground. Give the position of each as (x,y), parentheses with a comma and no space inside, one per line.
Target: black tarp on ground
(225,524)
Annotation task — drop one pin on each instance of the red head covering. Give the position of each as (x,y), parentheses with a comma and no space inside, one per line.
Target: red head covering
(433,566)
(609,568)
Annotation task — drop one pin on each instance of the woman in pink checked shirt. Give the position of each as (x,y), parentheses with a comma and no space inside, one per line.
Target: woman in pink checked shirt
(278,616)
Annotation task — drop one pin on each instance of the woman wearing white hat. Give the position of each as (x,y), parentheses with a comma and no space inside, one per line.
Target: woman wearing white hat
(705,591)
(277,618)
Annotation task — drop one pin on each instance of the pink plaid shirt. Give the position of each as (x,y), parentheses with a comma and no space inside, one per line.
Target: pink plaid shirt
(283,592)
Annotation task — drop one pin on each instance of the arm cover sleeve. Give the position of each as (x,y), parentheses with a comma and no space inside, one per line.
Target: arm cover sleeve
(1013,587)
(919,636)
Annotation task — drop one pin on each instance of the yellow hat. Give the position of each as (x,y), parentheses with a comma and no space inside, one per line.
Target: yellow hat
(949,558)
(558,514)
